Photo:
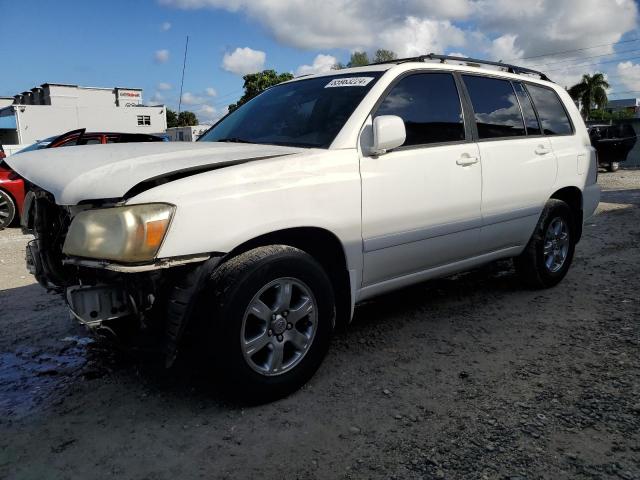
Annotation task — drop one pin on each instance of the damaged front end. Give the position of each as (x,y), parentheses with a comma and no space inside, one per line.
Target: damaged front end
(100,292)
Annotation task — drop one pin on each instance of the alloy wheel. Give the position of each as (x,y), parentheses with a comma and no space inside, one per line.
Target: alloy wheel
(279,326)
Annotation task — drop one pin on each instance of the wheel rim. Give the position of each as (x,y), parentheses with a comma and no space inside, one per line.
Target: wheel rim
(5,211)
(279,326)
(556,244)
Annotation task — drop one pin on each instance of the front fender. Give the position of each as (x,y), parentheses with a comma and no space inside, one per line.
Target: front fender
(221,209)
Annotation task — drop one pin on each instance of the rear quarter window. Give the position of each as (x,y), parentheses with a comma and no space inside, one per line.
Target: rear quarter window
(553,116)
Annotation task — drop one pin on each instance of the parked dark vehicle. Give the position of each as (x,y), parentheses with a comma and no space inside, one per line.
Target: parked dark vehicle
(613,143)
(12,186)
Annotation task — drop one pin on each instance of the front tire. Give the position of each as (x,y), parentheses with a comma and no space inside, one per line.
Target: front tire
(548,255)
(269,315)
(7,210)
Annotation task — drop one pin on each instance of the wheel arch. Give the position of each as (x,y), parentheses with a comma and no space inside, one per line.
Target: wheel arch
(572,196)
(325,247)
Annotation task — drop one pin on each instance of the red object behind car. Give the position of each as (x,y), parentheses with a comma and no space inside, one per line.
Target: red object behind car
(12,186)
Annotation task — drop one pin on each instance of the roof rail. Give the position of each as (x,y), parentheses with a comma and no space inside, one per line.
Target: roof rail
(443,58)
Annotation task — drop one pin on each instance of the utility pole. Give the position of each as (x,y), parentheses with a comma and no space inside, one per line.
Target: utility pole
(184,64)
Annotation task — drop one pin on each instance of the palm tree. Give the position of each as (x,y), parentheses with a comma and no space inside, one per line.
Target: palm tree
(589,92)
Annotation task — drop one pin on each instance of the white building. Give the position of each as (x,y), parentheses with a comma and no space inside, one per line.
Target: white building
(186,134)
(52,109)
(629,105)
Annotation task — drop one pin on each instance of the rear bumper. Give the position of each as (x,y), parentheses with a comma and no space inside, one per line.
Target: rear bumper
(590,200)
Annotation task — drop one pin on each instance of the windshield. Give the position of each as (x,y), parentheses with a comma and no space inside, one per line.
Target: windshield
(36,146)
(305,113)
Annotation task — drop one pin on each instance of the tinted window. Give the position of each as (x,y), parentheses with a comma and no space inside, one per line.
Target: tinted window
(430,107)
(551,112)
(530,120)
(496,108)
(306,113)
(90,141)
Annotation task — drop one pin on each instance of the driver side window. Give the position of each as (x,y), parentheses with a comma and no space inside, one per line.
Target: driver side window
(430,107)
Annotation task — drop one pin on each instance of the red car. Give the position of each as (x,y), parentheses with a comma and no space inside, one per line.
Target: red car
(12,188)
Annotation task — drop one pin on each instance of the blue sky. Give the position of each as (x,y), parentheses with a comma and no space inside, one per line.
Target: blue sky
(120,43)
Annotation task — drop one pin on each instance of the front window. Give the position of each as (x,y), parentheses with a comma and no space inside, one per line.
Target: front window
(305,113)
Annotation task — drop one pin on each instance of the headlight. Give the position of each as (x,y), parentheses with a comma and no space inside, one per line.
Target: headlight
(127,234)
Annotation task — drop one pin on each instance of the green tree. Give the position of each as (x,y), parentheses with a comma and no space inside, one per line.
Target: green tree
(604,115)
(254,83)
(187,119)
(360,59)
(172,118)
(590,92)
(383,55)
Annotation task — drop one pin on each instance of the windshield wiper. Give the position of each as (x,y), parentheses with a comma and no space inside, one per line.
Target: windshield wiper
(234,140)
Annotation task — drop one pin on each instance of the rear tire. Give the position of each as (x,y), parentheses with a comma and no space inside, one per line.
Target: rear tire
(613,167)
(268,316)
(7,210)
(548,255)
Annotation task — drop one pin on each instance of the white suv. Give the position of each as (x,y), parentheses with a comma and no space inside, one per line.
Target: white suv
(321,192)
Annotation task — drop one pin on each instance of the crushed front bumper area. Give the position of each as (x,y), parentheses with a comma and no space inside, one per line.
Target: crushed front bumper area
(92,305)
(156,296)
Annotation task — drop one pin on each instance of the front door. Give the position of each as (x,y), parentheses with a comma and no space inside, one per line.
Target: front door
(421,202)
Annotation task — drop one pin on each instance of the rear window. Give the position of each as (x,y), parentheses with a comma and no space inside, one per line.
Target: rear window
(495,106)
(552,114)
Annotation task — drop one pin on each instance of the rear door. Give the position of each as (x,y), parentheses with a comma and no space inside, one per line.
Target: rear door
(518,162)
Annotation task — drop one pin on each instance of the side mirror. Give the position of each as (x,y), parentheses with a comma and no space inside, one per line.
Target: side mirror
(388,133)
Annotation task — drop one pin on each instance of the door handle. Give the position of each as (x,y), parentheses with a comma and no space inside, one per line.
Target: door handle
(466,160)
(541,150)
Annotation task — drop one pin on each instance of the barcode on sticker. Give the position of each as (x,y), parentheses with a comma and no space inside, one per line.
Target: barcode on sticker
(349,82)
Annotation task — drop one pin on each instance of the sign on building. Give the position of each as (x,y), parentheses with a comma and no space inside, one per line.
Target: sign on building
(128,98)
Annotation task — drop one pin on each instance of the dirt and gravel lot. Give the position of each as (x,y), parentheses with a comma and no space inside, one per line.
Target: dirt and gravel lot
(470,376)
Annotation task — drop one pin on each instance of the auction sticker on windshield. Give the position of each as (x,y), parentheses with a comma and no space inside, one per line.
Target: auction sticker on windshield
(349,82)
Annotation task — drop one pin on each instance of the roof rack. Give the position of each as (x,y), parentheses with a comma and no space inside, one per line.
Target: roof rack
(443,58)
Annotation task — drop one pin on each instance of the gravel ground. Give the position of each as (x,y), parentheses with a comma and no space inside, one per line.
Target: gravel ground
(471,376)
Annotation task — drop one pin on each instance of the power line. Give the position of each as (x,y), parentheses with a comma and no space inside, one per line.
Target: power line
(585,58)
(591,64)
(574,50)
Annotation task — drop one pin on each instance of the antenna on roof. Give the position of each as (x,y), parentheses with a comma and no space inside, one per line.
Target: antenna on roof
(184,64)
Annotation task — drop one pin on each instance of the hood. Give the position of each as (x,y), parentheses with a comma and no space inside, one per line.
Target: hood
(74,174)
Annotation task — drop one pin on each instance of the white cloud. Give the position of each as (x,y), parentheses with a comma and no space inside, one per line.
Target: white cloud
(209,114)
(503,48)
(630,75)
(189,98)
(322,63)
(479,26)
(166,26)
(544,26)
(333,23)
(244,60)
(210,92)
(164,86)
(161,56)
(417,36)
(157,97)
